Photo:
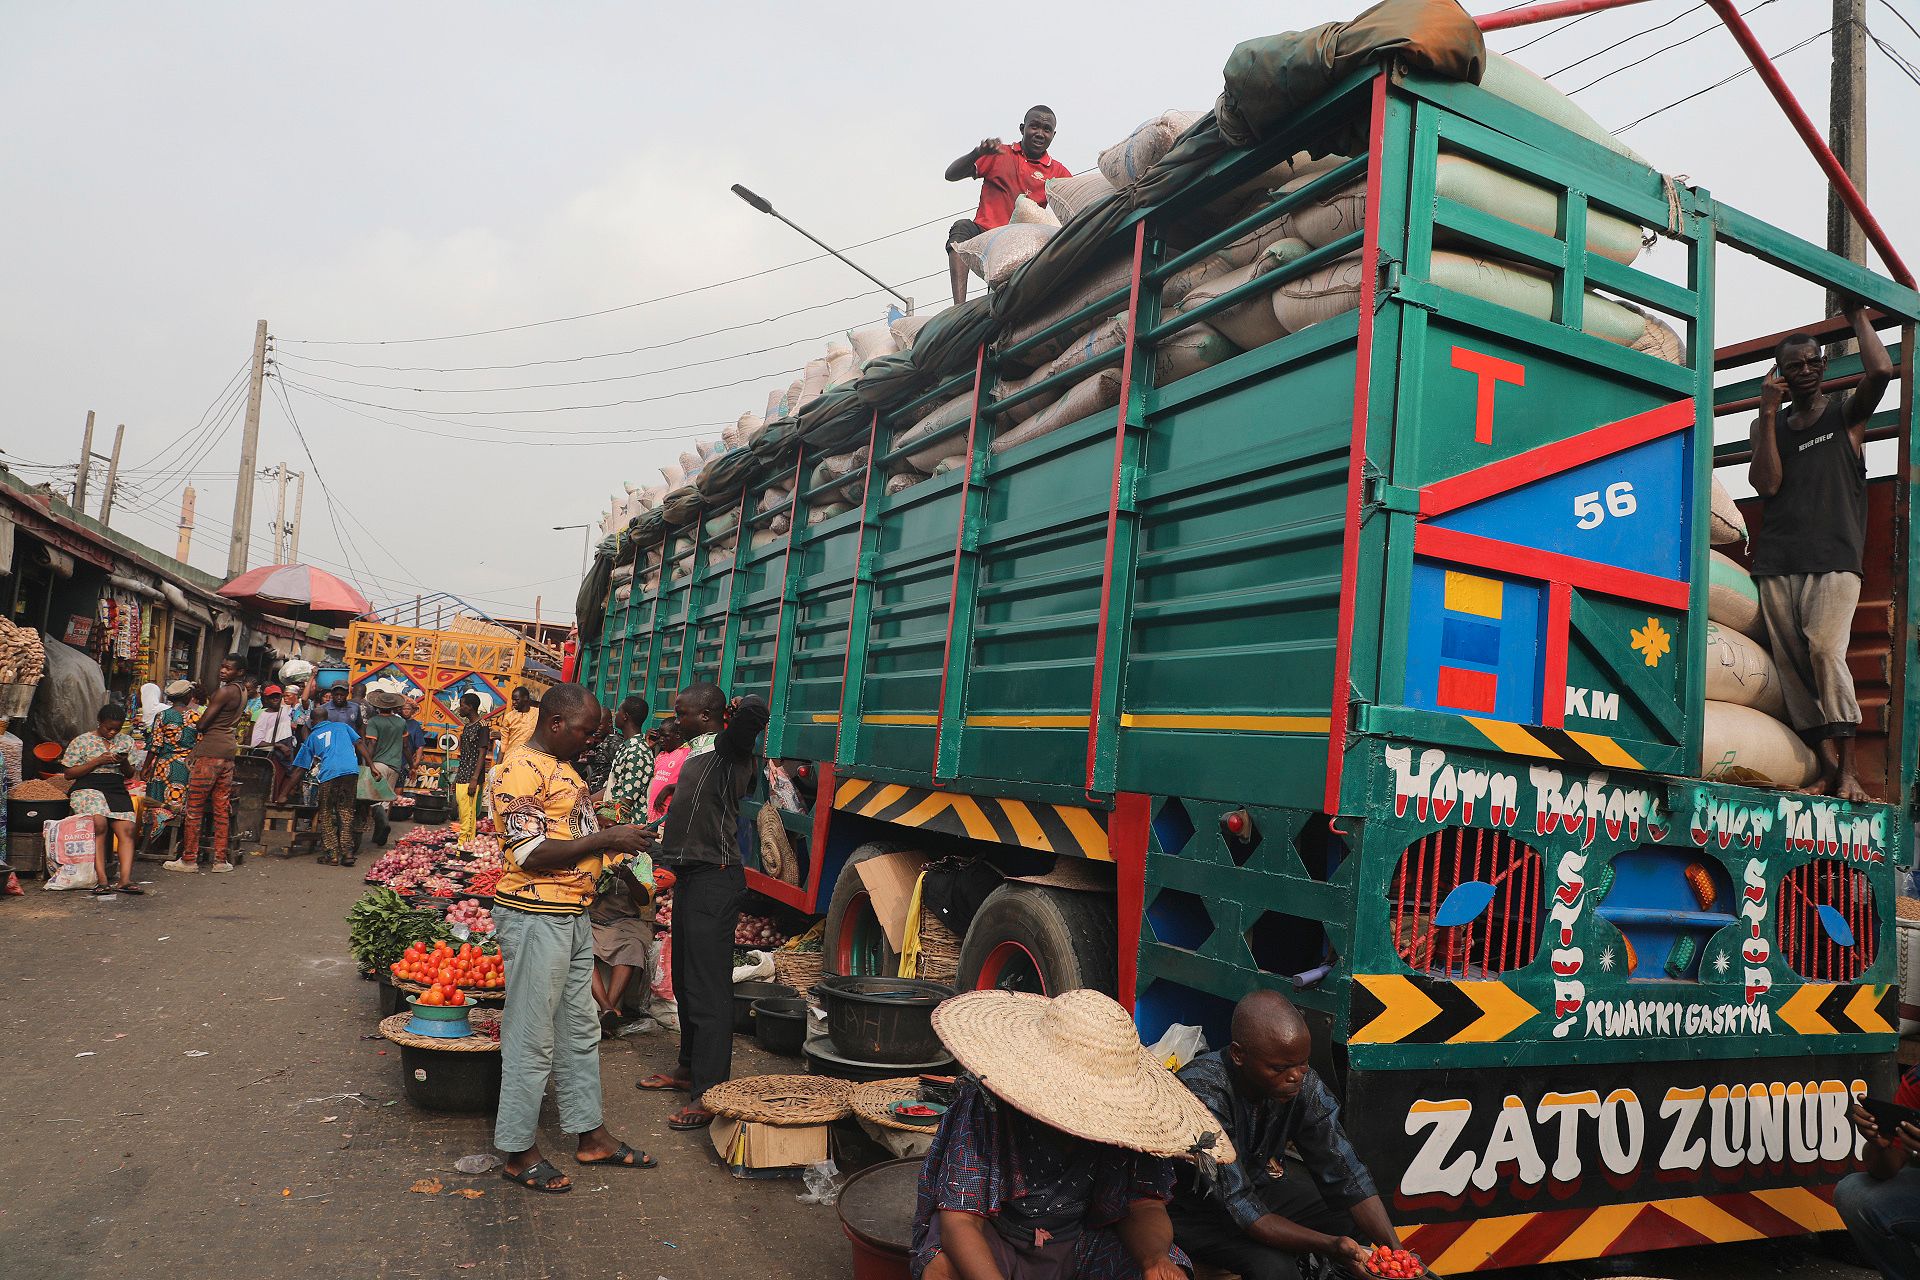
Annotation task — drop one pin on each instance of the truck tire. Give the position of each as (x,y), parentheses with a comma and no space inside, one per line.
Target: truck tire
(853,943)
(1033,938)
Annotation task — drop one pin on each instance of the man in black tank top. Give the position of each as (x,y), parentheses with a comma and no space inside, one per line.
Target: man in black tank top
(1809,465)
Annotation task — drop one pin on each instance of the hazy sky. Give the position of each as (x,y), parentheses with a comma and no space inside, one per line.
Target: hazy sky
(389,172)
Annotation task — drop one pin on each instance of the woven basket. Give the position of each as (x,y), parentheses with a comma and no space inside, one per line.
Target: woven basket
(394,1028)
(797,969)
(939,951)
(780,1100)
(869,1101)
(777,858)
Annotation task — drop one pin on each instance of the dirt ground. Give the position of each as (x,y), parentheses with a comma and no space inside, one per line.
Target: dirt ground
(207,1131)
(188,1090)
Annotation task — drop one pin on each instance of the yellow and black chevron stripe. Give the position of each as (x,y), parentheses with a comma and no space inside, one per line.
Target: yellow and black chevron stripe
(1390,1008)
(1842,1009)
(1473,1243)
(1050,828)
(1554,744)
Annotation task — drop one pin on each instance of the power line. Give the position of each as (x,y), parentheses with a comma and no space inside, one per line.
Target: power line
(1629,38)
(607,311)
(154,459)
(1746,70)
(603,355)
(1553,32)
(583,382)
(1898,59)
(619,439)
(1904,21)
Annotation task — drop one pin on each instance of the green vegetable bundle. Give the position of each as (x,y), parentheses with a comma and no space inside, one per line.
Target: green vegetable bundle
(381,926)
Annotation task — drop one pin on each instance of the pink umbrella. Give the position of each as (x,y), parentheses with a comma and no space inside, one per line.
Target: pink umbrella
(299,591)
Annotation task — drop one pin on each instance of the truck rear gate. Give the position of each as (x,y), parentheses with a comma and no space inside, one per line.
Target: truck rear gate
(1372,660)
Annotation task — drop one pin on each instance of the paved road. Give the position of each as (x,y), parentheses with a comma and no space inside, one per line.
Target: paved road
(206,1131)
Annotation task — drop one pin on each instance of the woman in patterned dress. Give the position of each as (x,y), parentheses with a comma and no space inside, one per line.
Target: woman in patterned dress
(169,743)
(100,764)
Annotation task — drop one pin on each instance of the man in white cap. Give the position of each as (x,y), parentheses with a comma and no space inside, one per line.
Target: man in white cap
(1055,1161)
(1270,1209)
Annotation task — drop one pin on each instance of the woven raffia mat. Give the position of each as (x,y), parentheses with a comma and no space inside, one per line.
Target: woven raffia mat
(871,1100)
(939,951)
(394,1028)
(780,1100)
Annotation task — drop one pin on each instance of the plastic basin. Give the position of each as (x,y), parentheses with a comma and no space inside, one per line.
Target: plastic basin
(884,1020)
(780,1024)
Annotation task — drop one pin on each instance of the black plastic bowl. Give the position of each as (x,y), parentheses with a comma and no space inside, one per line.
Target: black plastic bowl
(780,1024)
(745,993)
(883,1020)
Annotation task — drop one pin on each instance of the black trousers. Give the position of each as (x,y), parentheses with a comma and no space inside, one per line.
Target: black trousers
(1208,1235)
(706,911)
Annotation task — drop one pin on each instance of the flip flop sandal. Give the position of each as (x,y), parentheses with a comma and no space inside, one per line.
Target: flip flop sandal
(690,1118)
(327,860)
(133,889)
(625,1158)
(535,1176)
(661,1082)
(100,891)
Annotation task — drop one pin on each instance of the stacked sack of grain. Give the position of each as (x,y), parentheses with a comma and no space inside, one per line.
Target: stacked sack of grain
(1745,737)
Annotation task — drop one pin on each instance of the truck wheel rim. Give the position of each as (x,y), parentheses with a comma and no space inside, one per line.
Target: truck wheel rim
(1011,967)
(859,947)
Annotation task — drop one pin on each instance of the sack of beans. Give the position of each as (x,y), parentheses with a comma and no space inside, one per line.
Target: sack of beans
(1068,197)
(1125,161)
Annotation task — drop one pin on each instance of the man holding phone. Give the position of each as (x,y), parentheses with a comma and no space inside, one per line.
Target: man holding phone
(1809,464)
(1881,1207)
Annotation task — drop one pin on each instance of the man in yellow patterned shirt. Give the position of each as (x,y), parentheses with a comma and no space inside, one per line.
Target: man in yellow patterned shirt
(517,722)
(554,849)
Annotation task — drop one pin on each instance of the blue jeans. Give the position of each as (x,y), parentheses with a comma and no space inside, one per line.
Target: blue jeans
(550,1026)
(1884,1219)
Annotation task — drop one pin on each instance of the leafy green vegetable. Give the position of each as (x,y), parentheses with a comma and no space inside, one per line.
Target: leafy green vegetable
(381,926)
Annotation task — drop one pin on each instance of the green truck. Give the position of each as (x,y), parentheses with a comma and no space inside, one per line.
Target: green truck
(1367,665)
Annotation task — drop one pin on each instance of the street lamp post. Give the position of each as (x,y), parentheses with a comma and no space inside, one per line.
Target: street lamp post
(586,534)
(765,206)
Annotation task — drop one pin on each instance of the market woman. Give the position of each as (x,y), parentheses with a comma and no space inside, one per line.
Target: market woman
(100,764)
(169,739)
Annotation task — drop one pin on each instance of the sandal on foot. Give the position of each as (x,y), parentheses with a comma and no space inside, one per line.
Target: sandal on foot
(661,1082)
(690,1117)
(133,889)
(327,860)
(536,1176)
(625,1158)
(99,891)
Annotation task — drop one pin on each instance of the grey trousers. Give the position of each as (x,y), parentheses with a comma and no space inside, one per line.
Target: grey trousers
(1809,620)
(550,1026)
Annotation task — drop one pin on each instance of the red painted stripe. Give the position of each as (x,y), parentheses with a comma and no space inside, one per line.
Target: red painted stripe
(1463,690)
(1357,450)
(959,549)
(1759,1215)
(1113,499)
(1553,683)
(1481,483)
(1547,566)
(1127,839)
(1541,1236)
(1651,1229)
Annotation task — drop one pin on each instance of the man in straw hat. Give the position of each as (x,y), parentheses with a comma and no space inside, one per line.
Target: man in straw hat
(1269,1209)
(1055,1161)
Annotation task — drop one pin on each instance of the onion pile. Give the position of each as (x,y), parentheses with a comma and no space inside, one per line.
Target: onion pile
(471,914)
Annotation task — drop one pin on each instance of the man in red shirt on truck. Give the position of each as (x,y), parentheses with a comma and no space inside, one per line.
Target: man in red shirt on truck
(1007,171)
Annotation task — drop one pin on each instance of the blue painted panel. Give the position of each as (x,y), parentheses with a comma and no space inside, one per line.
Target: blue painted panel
(1651,537)
(1464,640)
(1516,659)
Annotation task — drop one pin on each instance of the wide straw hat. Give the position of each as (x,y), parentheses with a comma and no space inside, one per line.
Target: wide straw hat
(1076,1062)
(385,700)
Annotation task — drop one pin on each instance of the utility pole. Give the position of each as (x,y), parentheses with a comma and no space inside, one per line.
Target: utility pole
(416,613)
(279,512)
(185,547)
(113,474)
(249,447)
(299,505)
(1847,132)
(86,456)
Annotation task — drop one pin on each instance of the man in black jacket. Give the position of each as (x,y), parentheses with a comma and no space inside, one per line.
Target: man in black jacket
(701,845)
